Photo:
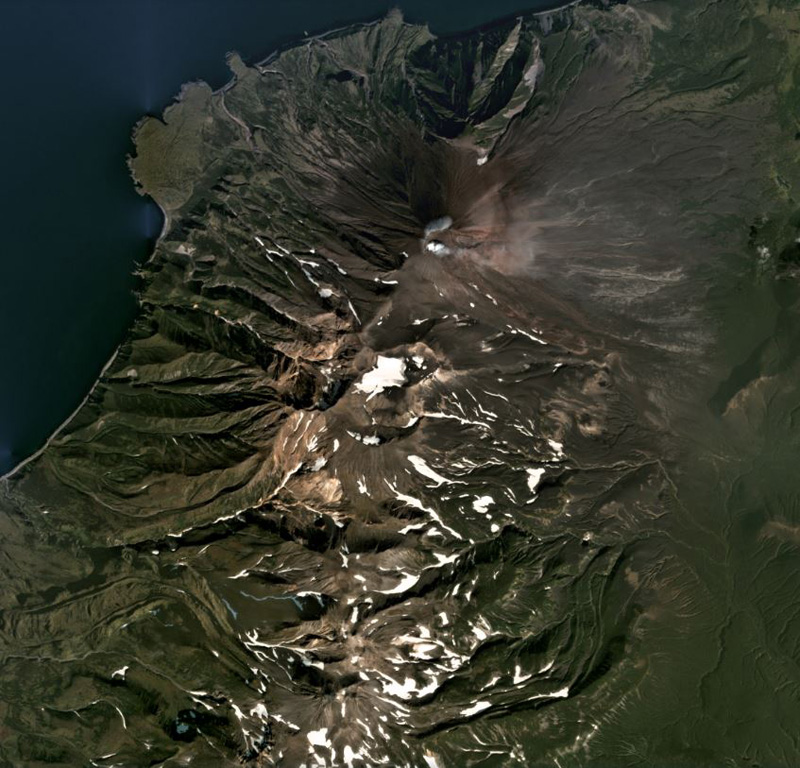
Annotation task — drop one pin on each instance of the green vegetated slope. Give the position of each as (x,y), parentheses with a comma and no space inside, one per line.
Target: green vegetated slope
(622,180)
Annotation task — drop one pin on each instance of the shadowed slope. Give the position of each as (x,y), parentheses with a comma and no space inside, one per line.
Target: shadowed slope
(389,470)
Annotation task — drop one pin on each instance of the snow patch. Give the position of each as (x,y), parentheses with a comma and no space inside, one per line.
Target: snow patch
(534,478)
(478,706)
(388,372)
(408,581)
(319,738)
(440,249)
(422,467)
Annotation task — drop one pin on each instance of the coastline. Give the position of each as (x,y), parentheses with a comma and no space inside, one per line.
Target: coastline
(230,83)
(8,475)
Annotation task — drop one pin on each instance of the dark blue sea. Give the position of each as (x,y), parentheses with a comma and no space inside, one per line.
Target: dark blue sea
(79,74)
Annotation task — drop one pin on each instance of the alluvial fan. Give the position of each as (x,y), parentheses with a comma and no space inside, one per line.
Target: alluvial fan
(433,444)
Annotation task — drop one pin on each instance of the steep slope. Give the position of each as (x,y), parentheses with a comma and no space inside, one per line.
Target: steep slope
(396,464)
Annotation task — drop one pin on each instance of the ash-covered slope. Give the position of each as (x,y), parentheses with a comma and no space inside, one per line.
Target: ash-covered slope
(388,470)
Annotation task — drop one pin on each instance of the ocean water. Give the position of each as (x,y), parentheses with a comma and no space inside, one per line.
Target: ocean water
(542,510)
(79,76)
